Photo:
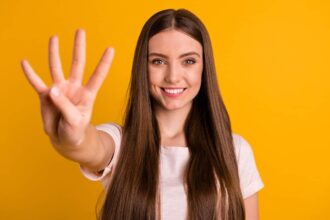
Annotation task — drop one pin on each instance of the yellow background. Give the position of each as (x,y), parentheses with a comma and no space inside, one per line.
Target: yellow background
(272,59)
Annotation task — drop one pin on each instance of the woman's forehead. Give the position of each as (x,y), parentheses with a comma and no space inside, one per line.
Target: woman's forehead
(173,41)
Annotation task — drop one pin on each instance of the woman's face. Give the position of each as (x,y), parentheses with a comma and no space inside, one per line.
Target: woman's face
(175,66)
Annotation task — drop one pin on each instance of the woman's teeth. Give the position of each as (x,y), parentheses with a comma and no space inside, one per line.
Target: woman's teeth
(174,91)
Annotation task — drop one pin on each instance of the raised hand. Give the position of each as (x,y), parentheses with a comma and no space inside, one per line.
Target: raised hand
(66,107)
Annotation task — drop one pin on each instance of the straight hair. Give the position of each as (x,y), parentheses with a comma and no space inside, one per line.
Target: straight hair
(212,179)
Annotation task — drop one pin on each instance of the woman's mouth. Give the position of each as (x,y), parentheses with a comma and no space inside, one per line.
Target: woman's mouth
(173,92)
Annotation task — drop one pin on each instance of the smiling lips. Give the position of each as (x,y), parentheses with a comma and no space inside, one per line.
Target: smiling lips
(173,92)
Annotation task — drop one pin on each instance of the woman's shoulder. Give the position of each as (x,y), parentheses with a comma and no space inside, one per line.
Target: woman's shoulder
(241,145)
(106,126)
(250,180)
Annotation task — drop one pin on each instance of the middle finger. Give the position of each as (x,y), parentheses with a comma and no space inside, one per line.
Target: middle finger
(79,57)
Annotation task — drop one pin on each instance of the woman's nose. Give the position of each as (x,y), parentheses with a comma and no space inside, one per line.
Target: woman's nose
(173,73)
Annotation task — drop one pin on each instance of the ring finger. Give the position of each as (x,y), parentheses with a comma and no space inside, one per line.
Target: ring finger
(55,61)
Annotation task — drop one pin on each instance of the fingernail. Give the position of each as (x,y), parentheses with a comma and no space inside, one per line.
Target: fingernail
(55,91)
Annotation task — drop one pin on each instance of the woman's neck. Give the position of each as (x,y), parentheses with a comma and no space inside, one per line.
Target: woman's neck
(171,122)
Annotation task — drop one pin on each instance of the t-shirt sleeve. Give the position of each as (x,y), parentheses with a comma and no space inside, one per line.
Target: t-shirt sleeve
(114,131)
(250,180)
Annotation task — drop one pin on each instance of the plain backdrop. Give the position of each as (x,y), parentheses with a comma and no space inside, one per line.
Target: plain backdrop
(272,60)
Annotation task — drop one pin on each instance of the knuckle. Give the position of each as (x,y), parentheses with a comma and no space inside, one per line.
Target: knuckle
(76,61)
(54,69)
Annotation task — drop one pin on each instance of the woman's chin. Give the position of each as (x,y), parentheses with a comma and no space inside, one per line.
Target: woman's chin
(174,106)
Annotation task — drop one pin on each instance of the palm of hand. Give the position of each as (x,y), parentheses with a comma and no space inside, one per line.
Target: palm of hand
(79,116)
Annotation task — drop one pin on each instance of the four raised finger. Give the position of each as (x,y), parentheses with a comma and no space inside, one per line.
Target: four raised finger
(78,63)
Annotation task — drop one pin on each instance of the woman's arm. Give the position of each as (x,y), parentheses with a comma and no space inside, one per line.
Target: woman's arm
(251,207)
(93,153)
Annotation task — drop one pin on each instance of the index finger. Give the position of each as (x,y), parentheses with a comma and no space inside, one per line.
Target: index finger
(101,71)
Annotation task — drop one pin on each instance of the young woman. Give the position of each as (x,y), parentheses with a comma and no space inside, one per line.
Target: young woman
(175,157)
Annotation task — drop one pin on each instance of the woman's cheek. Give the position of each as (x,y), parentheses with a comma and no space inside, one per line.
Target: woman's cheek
(196,78)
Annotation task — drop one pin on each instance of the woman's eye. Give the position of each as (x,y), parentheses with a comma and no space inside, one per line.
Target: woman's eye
(157,61)
(190,61)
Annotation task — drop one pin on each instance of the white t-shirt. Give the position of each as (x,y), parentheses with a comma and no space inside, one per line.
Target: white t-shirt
(173,197)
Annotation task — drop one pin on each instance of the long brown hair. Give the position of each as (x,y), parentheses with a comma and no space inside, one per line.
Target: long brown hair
(212,173)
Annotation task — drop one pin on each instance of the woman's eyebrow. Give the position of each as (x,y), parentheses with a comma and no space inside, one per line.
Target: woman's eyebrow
(156,55)
(182,55)
(189,54)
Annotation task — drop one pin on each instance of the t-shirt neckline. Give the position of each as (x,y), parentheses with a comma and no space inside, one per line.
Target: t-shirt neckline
(174,146)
